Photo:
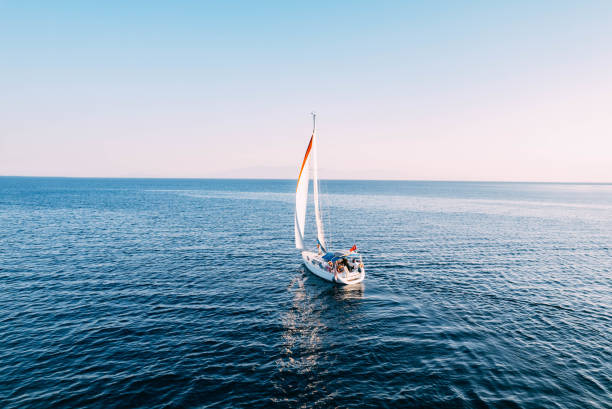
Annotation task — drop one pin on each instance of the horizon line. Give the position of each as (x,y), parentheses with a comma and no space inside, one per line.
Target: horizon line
(291,179)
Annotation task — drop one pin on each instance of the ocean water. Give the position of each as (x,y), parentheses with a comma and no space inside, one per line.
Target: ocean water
(189,293)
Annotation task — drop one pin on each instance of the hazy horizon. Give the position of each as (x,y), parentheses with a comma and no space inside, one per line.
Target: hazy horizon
(322,179)
(515,92)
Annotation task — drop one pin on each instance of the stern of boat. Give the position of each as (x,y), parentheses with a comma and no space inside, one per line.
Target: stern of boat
(316,265)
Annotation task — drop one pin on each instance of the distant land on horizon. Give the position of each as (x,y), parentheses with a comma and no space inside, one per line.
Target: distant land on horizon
(230,177)
(325,173)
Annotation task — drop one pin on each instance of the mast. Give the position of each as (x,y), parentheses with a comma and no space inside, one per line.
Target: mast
(315,183)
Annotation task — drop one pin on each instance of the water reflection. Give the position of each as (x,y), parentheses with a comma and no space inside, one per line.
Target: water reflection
(302,328)
(317,309)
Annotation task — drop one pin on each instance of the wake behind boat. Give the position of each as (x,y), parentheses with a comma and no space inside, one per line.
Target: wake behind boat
(338,267)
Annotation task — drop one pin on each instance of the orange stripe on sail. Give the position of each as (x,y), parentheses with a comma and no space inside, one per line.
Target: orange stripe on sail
(304,162)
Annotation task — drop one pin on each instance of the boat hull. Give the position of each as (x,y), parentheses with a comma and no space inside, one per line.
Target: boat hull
(314,263)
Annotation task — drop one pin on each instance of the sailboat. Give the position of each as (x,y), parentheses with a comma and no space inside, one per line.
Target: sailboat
(338,267)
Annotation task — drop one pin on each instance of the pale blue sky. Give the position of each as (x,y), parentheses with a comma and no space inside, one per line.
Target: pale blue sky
(408,90)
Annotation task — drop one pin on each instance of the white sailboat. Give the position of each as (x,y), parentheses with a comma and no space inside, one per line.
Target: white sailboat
(338,267)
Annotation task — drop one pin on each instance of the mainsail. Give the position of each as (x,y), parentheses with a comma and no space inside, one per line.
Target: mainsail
(301,193)
(315,184)
(301,197)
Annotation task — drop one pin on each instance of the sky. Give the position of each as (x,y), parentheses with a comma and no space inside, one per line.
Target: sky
(493,91)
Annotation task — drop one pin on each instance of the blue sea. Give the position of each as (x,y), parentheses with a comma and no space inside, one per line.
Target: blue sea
(168,293)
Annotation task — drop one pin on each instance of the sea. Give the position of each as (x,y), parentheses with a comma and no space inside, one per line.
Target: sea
(189,293)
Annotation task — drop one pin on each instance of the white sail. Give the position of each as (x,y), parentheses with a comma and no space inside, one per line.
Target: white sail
(301,197)
(315,184)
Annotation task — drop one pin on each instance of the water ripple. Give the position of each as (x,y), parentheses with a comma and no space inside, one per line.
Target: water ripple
(186,293)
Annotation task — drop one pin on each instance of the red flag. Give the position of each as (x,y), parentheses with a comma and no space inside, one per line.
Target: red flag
(354,248)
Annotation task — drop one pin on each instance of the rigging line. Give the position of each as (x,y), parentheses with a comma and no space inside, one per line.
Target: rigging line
(328,216)
(323,205)
(323,195)
(323,213)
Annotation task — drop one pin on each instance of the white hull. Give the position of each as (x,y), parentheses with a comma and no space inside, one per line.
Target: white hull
(316,265)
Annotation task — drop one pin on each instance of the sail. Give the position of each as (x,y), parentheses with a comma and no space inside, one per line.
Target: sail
(301,197)
(315,184)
